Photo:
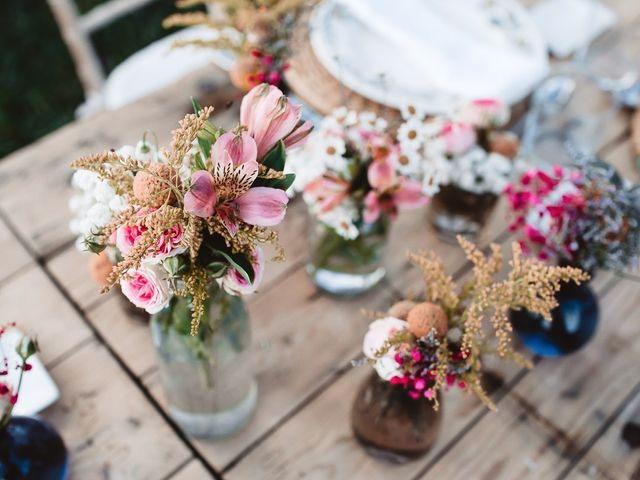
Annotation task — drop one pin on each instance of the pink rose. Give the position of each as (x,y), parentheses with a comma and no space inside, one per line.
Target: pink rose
(375,338)
(236,284)
(147,287)
(486,113)
(168,245)
(458,137)
(127,235)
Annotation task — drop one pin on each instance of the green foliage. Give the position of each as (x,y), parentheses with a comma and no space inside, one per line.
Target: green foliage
(276,157)
(281,183)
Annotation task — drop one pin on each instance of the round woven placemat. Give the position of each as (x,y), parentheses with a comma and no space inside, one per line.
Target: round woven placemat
(310,81)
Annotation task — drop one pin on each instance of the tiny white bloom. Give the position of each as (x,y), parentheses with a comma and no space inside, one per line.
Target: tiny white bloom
(84,179)
(411,134)
(118,203)
(103,192)
(99,214)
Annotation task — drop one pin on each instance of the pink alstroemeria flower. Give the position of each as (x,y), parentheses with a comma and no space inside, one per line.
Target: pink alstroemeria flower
(458,137)
(406,195)
(227,192)
(328,191)
(236,284)
(270,117)
(381,175)
(200,200)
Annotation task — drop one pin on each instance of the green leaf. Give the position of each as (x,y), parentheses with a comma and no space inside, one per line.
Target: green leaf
(199,162)
(276,157)
(93,247)
(241,264)
(281,183)
(196,106)
(217,269)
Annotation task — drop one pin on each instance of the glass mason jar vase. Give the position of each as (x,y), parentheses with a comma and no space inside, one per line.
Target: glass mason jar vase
(208,379)
(390,424)
(347,267)
(455,211)
(574,322)
(31,449)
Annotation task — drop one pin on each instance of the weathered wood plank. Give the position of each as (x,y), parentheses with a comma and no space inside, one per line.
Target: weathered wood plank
(614,455)
(13,256)
(557,407)
(192,471)
(71,269)
(30,299)
(128,336)
(110,429)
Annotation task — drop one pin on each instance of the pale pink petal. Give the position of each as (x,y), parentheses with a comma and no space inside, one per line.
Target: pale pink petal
(327,192)
(299,136)
(240,147)
(458,137)
(371,208)
(410,195)
(235,284)
(381,175)
(201,197)
(226,215)
(262,206)
(249,102)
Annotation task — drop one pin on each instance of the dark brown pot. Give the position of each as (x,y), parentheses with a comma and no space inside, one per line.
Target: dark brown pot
(390,424)
(458,212)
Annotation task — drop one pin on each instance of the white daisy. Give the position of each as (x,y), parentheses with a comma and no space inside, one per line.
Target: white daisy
(411,134)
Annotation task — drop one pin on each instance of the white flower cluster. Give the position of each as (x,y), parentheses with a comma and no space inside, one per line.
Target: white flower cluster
(95,201)
(342,133)
(444,151)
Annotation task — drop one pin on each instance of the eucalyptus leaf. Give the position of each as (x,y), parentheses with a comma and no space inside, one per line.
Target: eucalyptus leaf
(280,183)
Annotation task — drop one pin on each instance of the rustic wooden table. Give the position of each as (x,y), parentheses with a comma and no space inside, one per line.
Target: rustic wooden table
(563,419)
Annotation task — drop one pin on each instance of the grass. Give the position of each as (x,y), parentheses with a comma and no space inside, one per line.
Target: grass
(39,88)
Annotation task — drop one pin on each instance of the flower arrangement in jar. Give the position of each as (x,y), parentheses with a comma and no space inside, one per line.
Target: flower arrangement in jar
(258,33)
(189,227)
(29,446)
(464,160)
(349,174)
(421,347)
(583,215)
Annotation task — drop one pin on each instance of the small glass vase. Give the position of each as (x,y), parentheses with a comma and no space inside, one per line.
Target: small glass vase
(455,211)
(31,449)
(391,425)
(574,322)
(347,267)
(208,379)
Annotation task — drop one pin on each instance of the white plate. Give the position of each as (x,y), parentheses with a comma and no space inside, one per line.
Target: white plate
(430,53)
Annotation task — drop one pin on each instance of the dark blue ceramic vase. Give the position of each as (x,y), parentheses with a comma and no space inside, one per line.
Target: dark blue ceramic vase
(30,449)
(575,321)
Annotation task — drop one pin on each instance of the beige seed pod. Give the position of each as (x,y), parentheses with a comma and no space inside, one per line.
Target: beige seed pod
(426,316)
(401,309)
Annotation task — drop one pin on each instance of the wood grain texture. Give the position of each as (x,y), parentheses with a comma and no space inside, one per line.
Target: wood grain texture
(32,300)
(192,471)
(13,256)
(110,429)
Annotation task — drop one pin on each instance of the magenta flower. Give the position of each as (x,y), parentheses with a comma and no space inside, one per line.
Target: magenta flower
(270,117)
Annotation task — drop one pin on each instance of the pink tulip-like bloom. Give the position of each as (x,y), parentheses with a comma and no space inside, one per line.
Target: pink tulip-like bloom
(327,191)
(458,137)
(235,284)
(228,192)
(147,287)
(270,117)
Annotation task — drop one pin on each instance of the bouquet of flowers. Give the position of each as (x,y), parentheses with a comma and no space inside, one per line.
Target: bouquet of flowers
(189,220)
(350,176)
(464,149)
(257,31)
(438,343)
(25,348)
(584,215)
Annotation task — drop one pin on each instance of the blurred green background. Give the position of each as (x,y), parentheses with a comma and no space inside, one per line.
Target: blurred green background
(39,89)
